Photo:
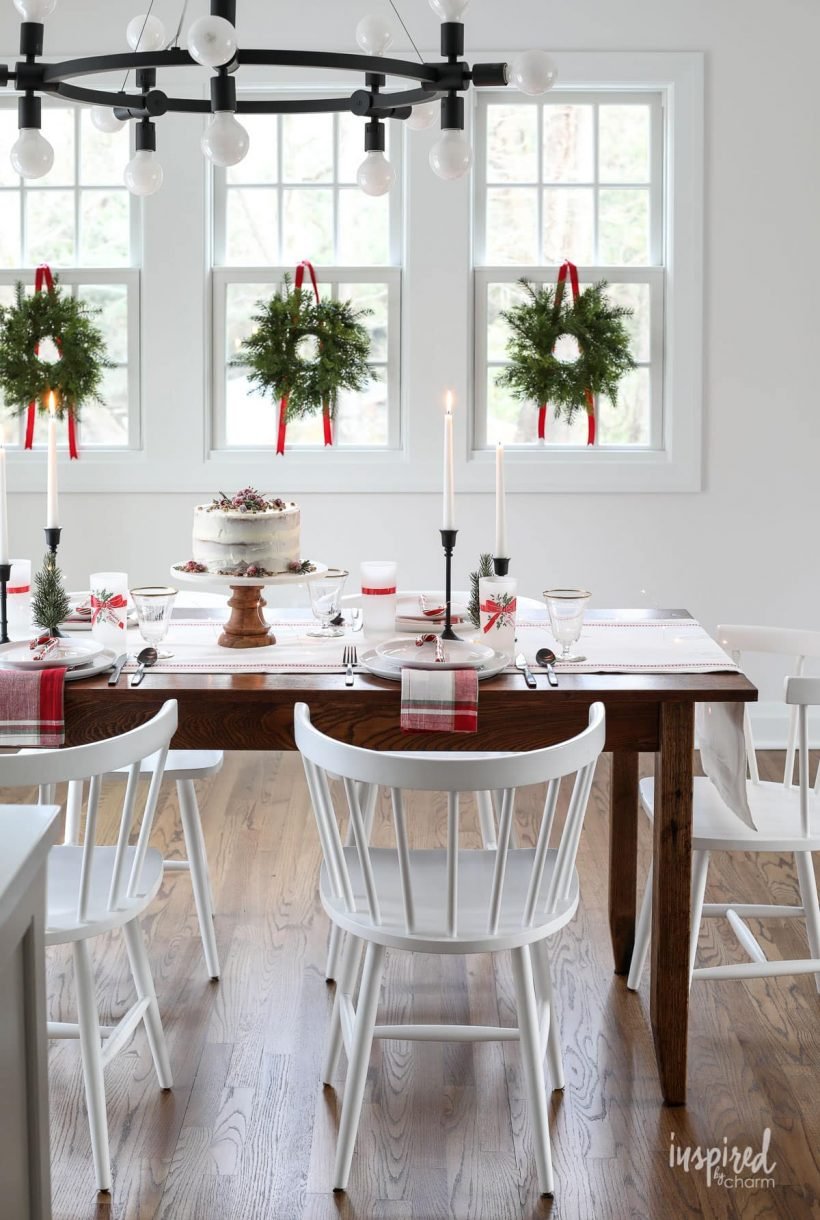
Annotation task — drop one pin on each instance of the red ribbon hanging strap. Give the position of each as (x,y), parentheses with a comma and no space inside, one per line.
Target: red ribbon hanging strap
(568,270)
(298,281)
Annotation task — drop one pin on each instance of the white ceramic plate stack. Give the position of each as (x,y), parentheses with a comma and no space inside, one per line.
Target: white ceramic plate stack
(67,654)
(388,659)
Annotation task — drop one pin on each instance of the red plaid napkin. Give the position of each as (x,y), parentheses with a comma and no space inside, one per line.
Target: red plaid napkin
(439,700)
(31,707)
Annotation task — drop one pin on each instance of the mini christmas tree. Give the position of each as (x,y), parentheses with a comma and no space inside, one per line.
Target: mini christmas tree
(485,568)
(49,602)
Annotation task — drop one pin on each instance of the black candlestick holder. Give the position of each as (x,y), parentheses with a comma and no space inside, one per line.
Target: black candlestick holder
(448,541)
(5,577)
(501,567)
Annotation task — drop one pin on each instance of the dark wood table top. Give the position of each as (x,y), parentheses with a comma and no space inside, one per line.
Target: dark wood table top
(255,711)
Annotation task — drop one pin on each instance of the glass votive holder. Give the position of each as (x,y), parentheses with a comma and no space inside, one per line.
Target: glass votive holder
(18,599)
(109,608)
(497,610)
(378,578)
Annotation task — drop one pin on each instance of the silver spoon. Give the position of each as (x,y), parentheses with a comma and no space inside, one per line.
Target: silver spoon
(148,657)
(545,658)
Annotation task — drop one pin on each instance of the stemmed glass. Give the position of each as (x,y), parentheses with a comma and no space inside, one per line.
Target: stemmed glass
(326,601)
(566,610)
(154,605)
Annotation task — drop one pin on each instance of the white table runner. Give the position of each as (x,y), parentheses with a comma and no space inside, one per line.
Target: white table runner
(655,646)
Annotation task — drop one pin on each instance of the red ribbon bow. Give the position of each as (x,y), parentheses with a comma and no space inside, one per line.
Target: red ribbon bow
(298,281)
(43,277)
(101,609)
(496,611)
(568,269)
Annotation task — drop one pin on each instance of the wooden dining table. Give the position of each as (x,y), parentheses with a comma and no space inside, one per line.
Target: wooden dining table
(644,713)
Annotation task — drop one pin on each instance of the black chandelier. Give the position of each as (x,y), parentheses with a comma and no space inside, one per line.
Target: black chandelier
(212,43)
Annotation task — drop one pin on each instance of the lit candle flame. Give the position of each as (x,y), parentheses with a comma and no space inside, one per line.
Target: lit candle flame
(52,406)
(448,400)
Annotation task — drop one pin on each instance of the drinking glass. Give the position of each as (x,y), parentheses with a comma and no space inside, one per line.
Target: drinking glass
(497,607)
(109,608)
(154,605)
(566,610)
(326,601)
(379,596)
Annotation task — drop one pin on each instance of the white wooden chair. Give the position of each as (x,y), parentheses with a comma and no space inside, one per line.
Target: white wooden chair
(787,820)
(93,889)
(451,901)
(181,767)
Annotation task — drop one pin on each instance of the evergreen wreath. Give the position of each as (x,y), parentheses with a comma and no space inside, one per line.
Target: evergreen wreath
(535,374)
(75,377)
(307,381)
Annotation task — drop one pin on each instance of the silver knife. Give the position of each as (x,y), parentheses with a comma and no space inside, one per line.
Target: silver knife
(118,664)
(521,663)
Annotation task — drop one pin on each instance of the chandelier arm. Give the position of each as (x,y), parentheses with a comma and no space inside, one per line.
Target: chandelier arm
(153,104)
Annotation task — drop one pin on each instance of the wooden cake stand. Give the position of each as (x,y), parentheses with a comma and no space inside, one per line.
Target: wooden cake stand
(246,628)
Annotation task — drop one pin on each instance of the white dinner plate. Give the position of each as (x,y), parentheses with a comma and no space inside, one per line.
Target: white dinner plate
(100,665)
(460,654)
(371,661)
(17,654)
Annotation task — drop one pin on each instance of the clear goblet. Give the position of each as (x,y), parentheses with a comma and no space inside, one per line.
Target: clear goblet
(154,605)
(566,610)
(326,601)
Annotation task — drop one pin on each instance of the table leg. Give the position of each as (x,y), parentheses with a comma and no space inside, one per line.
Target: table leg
(623,856)
(672,880)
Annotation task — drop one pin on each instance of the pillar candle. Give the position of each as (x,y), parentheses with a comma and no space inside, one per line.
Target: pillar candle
(501,548)
(52,516)
(449,516)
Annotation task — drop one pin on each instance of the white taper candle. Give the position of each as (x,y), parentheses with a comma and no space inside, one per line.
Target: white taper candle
(449,516)
(501,548)
(52,516)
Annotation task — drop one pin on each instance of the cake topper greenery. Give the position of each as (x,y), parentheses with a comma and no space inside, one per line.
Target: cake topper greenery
(49,600)
(535,374)
(75,377)
(248,500)
(305,352)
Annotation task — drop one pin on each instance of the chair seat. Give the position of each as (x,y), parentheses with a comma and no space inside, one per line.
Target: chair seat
(429,889)
(182,764)
(64,868)
(775,809)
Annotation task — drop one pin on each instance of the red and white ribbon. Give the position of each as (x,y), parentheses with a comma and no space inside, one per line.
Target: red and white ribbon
(497,611)
(298,281)
(44,279)
(568,269)
(379,592)
(103,609)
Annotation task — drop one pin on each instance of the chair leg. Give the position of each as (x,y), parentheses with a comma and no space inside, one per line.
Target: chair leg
(532,1064)
(144,984)
(91,1052)
(643,932)
(486,818)
(351,957)
(359,1059)
(543,978)
(334,949)
(700,870)
(200,880)
(808,894)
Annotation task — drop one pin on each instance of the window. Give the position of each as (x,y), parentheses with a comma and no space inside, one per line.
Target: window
(80,221)
(293,197)
(579,176)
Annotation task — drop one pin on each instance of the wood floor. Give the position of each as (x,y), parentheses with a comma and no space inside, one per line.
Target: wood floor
(248,1134)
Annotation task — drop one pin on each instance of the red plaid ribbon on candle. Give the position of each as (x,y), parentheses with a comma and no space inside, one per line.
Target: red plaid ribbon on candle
(31,708)
(102,609)
(568,269)
(439,700)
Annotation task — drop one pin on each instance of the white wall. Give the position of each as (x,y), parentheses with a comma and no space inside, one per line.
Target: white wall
(740,549)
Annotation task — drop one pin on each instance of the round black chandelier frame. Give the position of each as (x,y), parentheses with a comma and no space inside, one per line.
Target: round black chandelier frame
(445,81)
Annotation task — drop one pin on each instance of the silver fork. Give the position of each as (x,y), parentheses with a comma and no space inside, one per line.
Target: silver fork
(350,658)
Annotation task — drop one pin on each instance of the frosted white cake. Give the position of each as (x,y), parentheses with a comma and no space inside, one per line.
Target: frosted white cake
(247,530)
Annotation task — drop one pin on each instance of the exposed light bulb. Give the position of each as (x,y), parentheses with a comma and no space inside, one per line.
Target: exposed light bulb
(212,41)
(35,10)
(375,175)
(449,10)
(423,116)
(143,173)
(31,154)
(106,121)
(145,33)
(533,72)
(374,35)
(225,141)
(451,156)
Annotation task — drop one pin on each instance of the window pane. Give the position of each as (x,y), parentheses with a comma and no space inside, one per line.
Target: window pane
(364,228)
(252,239)
(636,298)
(260,164)
(8,134)
(516,423)
(250,418)
(373,297)
(50,227)
(512,225)
(624,141)
(623,221)
(104,220)
(112,302)
(512,143)
(102,157)
(241,302)
(628,423)
(568,225)
(307,225)
(107,424)
(58,129)
(361,419)
(568,143)
(499,298)
(307,147)
(10,255)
